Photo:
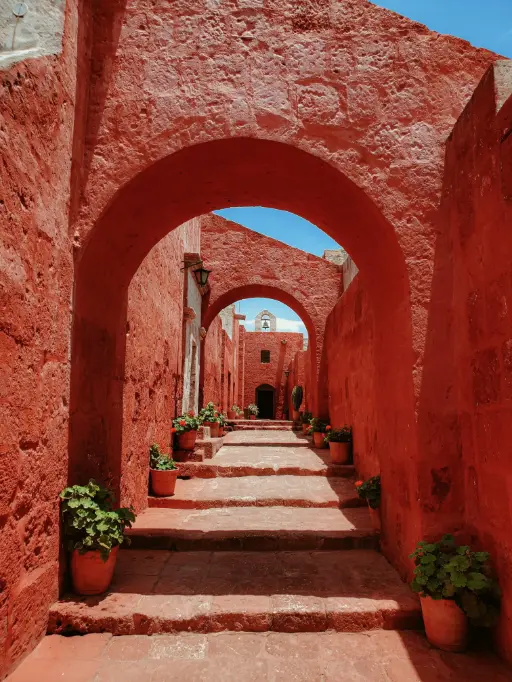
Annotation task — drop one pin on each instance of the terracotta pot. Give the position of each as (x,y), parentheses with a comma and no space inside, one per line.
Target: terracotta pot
(446,624)
(187,440)
(318,440)
(232,415)
(252,416)
(305,427)
(163,483)
(375,517)
(340,452)
(296,415)
(214,428)
(90,574)
(221,431)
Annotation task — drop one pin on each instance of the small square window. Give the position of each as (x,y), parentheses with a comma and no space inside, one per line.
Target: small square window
(265,356)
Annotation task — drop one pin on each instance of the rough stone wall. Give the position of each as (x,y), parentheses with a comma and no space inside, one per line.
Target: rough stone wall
(154,382)
(36,271)
(213,357)
(272,373)
(349,342)
(221,358)
(468,364)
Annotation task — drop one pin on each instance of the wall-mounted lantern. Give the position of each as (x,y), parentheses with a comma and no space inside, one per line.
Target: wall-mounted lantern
(201,275)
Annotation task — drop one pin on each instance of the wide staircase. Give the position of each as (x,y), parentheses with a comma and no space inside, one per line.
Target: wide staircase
(265,536)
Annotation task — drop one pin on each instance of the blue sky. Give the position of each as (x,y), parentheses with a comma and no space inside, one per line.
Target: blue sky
(484,23)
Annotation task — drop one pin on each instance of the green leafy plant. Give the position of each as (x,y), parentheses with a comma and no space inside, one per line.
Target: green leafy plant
(318,426)
(222,419)
(343,435)
(160,461)
(184,423)
(253,409)
(297,395)
(235,408)
(90,522)
(209,414)
(445,570)
(370,491)
(306,417)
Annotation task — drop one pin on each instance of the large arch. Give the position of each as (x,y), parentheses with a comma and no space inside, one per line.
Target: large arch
(237,293)
(246,261)
(197,180)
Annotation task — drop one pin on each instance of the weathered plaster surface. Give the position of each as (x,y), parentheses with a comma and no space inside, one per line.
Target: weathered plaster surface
(36,32)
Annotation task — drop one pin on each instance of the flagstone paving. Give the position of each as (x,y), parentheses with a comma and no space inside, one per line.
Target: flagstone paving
(377,656)
(252,576)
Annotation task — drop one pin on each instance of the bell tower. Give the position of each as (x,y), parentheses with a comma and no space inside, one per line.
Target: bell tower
(265,322)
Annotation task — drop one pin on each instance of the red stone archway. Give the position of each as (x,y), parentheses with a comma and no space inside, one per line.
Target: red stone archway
(246,264)
(196,180)
(237,293)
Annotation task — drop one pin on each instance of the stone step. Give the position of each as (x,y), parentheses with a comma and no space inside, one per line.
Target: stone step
(254,528)
(250,460)
(164,592)
(252,427)
(266,438)
(375,656)
(258,491)
(257,423)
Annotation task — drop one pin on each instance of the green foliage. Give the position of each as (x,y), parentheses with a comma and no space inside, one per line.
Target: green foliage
(253,409)
(186,422)
(343,435)
(297,395)
(235,408)
(160,461)
(222,419)
(306,417)
(89,521)
(209,414)
(445,570)
(317,426)
(370,491)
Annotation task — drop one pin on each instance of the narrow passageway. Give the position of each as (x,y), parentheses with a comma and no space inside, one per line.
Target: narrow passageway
(262,566)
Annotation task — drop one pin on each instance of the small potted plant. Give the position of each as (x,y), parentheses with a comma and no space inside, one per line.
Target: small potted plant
(164,472)
(234,412)
(456,586)
(306,418)
(340,442)
(318,429)
(370,492)
(94,530)
(185,427)
(297,395)
(209,416)
(253,410)
(222,423)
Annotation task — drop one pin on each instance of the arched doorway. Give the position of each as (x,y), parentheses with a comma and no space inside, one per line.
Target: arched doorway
(196,180)
(266,401)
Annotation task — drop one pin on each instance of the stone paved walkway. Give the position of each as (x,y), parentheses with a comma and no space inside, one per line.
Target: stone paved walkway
(246,586)
(260,491)
(378,656)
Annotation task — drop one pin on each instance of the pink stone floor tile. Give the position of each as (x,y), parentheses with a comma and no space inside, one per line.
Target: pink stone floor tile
(259,491)
(378,656)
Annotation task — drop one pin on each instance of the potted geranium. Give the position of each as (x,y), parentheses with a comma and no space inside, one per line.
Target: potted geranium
(297,395)
(222,423)
(253,410)
(234,412)
(164,472)
(455,587)
(209,416)
(370,492)
(318,429)
(340,442)
(94,530)
(306,418)
(185,427)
